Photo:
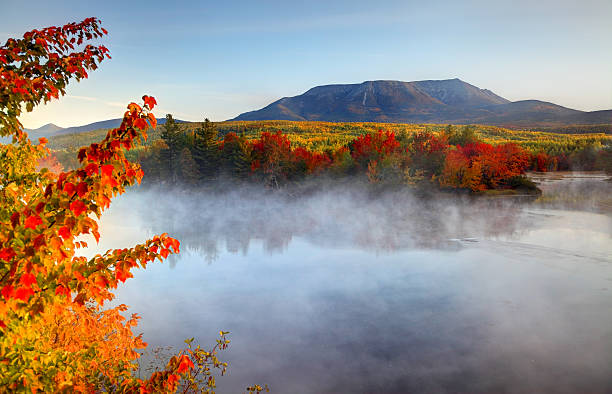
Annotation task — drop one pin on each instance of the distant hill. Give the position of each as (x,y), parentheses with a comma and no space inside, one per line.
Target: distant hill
(434,101)
(50,130)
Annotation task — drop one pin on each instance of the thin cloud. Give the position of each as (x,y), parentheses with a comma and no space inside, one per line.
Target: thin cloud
(182,115)
(94,99)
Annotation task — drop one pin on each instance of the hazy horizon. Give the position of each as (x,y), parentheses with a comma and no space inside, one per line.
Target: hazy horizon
(205,59)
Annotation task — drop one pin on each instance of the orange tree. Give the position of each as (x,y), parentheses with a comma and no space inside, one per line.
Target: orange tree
(54,333)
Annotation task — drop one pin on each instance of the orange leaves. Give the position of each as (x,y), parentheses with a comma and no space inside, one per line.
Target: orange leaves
(171,242)
(62,290)
(64,232)
(101,281)
(33,222)
(172,380)
(481,166)
(40,270)
(122,275)
(134,108)
(77,207)
(184,364)
(103,201)
(110,181)
(141,123)
(107,170)
(149,101)
(152,120)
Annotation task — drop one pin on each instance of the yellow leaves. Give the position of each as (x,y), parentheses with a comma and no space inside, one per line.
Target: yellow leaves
(12,189)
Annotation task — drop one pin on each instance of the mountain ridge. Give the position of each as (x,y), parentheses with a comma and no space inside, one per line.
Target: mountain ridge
(50,129)
(427,101)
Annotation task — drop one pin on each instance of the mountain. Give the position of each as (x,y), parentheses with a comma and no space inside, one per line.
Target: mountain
(50,129)
(432,101)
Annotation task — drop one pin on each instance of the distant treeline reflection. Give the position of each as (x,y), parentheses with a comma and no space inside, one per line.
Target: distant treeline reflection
(208,222)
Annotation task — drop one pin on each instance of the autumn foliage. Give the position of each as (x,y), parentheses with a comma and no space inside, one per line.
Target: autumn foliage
(55,334)
(424,157)
(480,166)
(373,147)
(476,166)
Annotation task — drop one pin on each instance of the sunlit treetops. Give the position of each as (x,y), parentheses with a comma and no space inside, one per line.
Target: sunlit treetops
(412,154)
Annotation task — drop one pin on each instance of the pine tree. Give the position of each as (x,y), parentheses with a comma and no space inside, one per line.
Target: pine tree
(206,150)
(188,168)
(174,139)
(235,156)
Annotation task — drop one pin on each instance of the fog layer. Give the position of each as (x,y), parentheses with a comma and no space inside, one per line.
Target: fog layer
(352,290)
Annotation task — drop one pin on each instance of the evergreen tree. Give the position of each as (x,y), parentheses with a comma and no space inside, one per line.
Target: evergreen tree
(188,171)
(206,150)
(152,163)
(175,142)
(235,156)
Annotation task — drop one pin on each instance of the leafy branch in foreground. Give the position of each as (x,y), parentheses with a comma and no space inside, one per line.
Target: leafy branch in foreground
(54,333)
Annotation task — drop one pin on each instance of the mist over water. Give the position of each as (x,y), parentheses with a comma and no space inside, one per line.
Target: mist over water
(345,289)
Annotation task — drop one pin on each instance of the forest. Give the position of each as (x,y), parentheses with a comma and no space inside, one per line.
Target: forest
(279,153)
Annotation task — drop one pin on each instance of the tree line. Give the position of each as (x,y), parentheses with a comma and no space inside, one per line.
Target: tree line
(454,158)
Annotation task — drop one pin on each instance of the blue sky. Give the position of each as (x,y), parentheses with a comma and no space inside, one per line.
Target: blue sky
(218,59)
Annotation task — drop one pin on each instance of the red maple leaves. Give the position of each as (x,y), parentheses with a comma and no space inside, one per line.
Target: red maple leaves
(28,279)
(78,207)
(149,101)
(33,222)
(7,254)
(373,146)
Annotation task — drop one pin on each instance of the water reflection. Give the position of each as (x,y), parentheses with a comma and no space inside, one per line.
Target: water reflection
(342,291)
(590,191)
(208,222)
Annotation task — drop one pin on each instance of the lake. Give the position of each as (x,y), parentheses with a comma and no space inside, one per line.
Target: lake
(347,290)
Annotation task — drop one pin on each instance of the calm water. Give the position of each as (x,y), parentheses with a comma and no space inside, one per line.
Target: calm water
(348,291)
